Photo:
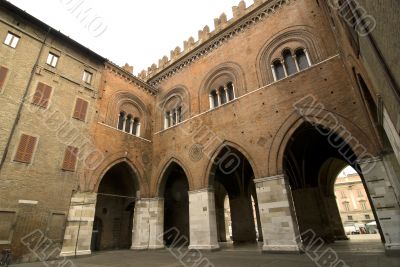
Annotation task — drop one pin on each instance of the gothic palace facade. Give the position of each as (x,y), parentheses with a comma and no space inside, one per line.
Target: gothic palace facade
(266,110)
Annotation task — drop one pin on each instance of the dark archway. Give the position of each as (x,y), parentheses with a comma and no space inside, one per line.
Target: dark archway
(232,175)
(115,208)
(312,162)
(174,188)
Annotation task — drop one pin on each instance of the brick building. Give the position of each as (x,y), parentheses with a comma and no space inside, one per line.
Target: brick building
(268,106)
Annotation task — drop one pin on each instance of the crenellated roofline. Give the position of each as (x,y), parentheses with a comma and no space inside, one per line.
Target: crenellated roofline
(243,18)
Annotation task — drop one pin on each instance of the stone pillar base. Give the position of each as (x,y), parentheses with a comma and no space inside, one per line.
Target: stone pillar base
(384,201)
(279,224)
(295,249)
(78,231)
(392,249)
(202,220)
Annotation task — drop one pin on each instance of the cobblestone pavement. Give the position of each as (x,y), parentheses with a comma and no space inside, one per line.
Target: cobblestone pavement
(353,253)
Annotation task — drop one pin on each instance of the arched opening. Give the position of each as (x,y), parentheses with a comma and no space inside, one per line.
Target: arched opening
(174,188)
(312,162)
(116,196)
(289,62)
(235,198)
(121,121)
(278,70)
(302,59)
(354,206)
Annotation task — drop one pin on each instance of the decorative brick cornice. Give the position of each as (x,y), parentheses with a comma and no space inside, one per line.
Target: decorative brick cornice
(243,19)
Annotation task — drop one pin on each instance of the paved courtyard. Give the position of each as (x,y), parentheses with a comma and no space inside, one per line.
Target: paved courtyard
(357,253)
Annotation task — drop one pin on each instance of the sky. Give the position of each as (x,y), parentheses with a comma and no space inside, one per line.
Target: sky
(135,32)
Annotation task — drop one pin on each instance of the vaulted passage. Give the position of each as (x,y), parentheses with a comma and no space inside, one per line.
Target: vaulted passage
(115,205)
(235,198)
(175,188)
(313,159)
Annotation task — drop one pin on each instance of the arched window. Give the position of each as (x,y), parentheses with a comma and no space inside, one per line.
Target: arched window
(121,121)
(289,62)
(223,95)
(231,92)
(278,70)
(128,123)
(136,127)
(173,117)
(302,59)
(292,63)
(213,99)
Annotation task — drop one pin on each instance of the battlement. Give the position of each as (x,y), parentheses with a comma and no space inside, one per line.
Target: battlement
(220,24)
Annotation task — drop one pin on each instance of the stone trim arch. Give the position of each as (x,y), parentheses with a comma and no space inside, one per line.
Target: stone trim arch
(323,118)
(111,161)
(178,91)
(299,36)
(122,98)
(221,73)
(160,176)
(217,150)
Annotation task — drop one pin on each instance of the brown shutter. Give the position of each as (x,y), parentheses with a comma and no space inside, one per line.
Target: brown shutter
(80,109)
(3,76)
(70,156)
(77,110)
(42,95)
(84,108)
(25,149)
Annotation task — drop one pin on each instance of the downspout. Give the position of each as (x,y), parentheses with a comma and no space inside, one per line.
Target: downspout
(22,102)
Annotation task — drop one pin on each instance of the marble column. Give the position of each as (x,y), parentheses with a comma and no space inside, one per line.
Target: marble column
(79,226)
(202,220)
(384,200)
(278,220)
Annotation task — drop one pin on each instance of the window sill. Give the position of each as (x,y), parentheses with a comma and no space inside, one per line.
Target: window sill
(138,137)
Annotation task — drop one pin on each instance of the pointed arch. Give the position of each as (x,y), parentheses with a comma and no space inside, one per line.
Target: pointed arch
(163,175)
(216,153)
(361,141)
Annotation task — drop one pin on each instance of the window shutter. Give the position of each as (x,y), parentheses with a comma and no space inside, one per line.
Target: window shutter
(42,95)
(84,107)
(3,76)
(25,149)
(80,109)
(71,154)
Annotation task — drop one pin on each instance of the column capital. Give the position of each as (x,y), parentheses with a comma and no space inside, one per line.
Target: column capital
(369,160)
(270,178)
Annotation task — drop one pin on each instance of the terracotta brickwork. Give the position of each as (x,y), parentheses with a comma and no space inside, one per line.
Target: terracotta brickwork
(234,87)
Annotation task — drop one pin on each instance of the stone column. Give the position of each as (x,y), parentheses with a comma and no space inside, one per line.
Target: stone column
(384,201)
(308,57)
(219,98)
(138,129)
(278,219)
(296,63)
(284,67)
(156,221)
(78,231)
(274,73)
(141,227)
(226,93)
(210,97)
(202,220)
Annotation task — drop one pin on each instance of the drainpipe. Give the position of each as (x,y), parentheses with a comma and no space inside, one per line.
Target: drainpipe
(17,118)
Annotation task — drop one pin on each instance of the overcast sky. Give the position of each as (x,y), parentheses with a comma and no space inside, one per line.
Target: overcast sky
(134,32)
